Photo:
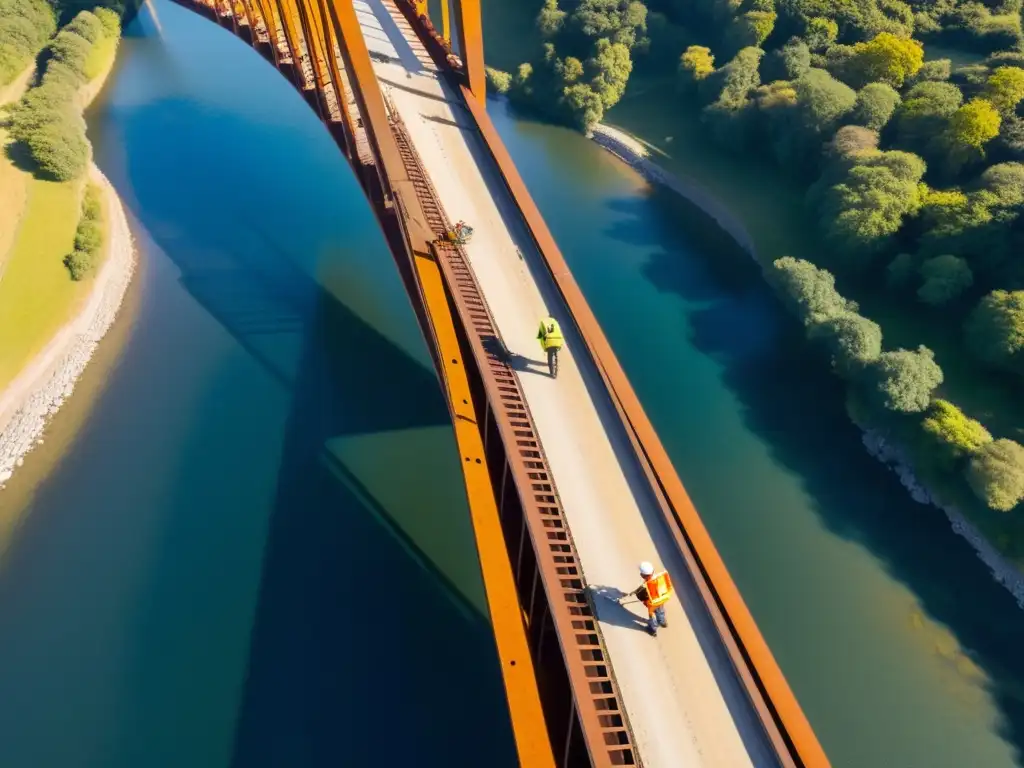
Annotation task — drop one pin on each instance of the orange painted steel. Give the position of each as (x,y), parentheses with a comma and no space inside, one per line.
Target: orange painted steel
(527,716)
(684,520)
(471,46)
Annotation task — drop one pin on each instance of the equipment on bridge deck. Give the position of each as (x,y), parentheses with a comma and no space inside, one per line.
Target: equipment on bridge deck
(460,234)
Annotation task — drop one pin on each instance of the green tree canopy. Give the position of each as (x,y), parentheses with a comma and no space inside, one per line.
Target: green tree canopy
(498,81)
(1005,182)
(970,128)
(696,63)
(809,291)
(995,330)
(954,433)
(996,474)
(551,19)
(876,104)
(851,140)
(886,59)
(610,68)
(903,381)
(861,213)
(945,277)
(924,112)
(1005,88)
(789,62)
(852,340)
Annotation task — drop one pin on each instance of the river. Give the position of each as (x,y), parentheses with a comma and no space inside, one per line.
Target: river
(186,562)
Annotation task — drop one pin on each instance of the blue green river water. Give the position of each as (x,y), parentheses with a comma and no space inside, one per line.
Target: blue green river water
(186,564)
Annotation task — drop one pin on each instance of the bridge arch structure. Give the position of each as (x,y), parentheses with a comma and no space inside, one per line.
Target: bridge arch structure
(565,703)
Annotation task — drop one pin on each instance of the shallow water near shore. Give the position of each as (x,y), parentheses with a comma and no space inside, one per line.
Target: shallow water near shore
(186,582)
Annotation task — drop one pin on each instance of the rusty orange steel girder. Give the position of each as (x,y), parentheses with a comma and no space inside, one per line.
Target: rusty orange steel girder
(537,604)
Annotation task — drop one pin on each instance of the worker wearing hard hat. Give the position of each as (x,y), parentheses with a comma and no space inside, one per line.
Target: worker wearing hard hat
(656,590)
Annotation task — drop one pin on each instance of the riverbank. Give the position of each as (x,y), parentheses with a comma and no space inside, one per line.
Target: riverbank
(636,153)
(39,389)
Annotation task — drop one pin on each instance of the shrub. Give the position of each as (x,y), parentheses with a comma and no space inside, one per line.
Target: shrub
(88,236)
(852,340)
(995,330)
(903,381)
(996,474)
(71,50)
(810,292)
(954,434)
(498,81)
(87,26)
(876,103)
(945,278)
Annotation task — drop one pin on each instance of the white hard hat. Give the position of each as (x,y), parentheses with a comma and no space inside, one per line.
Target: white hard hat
(646,569)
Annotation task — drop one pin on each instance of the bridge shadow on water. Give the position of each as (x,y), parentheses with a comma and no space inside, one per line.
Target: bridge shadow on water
(364,649)
(795,406)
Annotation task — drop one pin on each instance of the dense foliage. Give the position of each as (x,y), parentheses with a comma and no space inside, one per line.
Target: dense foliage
(48,121)
(25,26)
(88,237)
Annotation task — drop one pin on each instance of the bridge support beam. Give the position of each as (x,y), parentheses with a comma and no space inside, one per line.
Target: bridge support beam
(471,46)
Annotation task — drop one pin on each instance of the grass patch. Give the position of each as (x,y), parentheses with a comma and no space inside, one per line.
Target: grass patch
(36,295)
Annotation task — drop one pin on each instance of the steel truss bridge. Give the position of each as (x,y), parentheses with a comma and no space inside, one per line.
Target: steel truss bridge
(568,484)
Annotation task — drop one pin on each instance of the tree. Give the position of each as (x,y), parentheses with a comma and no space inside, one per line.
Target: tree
(937,70)
(732,83)
(820,33)
(995,330)
(973,125)
(1005,182)
(862,212)
(789,62)
(752,27)
(852,340)
(924,112)
(584,105)
(610,68)
(875,105)
(696,63)
(1005,88)
(86,25)
(809,291)
(954,433)
(822,100)
(969,129)
(945,278)
(903,381)
(851,140)
(886,58)
(550,19)
(498,81)
(996,474)
(71,50)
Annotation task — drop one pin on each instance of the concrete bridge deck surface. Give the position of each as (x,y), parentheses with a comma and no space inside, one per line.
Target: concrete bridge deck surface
(685,705)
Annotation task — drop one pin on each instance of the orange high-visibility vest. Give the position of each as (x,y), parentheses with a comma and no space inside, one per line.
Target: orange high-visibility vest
(659,589)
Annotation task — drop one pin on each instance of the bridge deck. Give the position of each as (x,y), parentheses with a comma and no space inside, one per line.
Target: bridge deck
(685,704)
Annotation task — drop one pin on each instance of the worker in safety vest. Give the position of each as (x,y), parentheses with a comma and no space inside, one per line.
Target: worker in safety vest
(550,337)
(654,593)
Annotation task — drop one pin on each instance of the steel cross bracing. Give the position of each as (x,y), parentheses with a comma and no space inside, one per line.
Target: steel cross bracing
(563,699)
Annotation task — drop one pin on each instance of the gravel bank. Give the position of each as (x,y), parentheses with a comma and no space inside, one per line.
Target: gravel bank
(39,390)
(632,151)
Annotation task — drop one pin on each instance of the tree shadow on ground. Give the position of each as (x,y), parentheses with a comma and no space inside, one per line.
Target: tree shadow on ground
(791,401)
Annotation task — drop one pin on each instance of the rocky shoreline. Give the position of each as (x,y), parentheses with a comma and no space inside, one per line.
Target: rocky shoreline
(633,152)
(40,390)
